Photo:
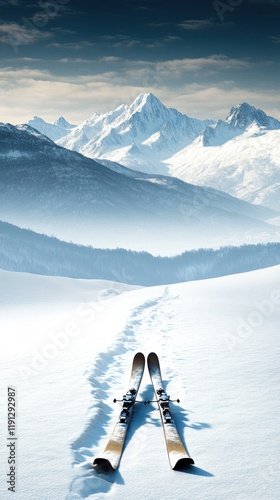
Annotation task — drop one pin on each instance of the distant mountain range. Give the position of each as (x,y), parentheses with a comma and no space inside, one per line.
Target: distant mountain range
(51,189)
(247,166)
(139,136)
(239,155)
(54,131)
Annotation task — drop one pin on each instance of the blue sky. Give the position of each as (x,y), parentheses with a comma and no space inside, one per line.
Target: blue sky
(75,57)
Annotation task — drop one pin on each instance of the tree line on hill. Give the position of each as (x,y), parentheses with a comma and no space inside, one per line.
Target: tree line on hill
(23,250)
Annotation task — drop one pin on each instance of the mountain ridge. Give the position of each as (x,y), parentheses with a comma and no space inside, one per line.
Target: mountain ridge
(54,190)
(131,133)
(54,131)
(147,136)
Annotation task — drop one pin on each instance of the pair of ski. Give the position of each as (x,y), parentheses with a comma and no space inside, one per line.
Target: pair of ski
(177,453)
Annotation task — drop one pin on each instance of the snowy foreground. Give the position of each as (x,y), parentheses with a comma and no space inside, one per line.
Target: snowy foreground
(67,346)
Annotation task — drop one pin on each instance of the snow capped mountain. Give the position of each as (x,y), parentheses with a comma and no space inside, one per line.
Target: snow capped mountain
(139,136)
(217,134)
(238,120)
(19,140)
(248,166)
(61,122)
(238,155)
(54,130)
(244,115)
(53,190)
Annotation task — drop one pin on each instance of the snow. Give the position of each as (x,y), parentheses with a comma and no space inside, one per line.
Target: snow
(246,166)
(14,154)
(244,115)
(67,346)
(239,155)
(54,131)
(139,136)
(60,192)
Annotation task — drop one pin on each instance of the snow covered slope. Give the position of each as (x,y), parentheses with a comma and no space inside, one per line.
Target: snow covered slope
(139,136)
(54,131)
(244,115)
(239,155)
(67,346)
(50,189)
(248,166)
(239,119)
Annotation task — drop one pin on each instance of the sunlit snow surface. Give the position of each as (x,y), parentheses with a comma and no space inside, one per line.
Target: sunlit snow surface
(239,156)
(246,167)
(67,346)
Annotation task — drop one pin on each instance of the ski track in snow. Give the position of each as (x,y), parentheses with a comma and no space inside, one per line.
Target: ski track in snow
(218,345)
(110,372)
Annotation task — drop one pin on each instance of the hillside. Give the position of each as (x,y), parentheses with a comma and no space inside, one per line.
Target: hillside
(73,341)
(238,155)
(25,251)
(246,167)
(59,192)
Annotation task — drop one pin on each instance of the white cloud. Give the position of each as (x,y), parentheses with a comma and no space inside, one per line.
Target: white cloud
(215,101)
(28,92)
(158,25)
(23,60)
(214,62)
(33,92)
(275,39)
(120,41)
(156,44)
(63,31)
(15,35)
(197,24)
(110,59)
(177,68)
(172,38)
(71,45)
(76,60)
(143,8)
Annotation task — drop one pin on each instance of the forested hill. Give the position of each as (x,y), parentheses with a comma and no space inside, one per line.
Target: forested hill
(26,251)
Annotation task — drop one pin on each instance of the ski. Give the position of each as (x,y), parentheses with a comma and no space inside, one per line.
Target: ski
(177,453)
(110,458)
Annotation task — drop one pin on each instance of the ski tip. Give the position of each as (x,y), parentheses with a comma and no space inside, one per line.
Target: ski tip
(152,356)
(103,465)
(139,355)
(139,360)
(153,362)
(183,463)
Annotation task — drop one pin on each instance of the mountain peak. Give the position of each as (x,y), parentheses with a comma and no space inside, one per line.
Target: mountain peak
(243,115)
(52,130)
(146,100)
(36,119)
(61,122)
(146,97)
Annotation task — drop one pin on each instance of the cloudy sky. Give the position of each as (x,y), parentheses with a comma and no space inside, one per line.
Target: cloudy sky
(76,57)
